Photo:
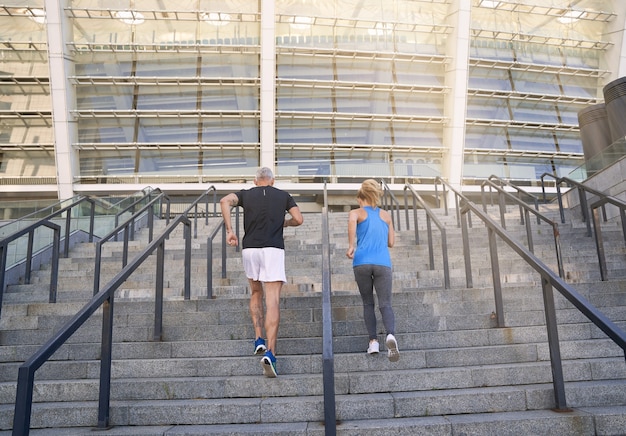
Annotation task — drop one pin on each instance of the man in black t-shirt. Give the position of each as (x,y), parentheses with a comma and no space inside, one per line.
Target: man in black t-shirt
(263,254)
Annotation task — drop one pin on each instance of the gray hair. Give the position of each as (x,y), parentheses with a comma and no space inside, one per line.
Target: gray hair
(264,173)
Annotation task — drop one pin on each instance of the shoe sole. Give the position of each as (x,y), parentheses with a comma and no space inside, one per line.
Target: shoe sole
(393,353)
(268,368)
(261,349)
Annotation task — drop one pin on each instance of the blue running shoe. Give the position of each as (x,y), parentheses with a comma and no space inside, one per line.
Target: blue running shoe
(259,346)
(268,362)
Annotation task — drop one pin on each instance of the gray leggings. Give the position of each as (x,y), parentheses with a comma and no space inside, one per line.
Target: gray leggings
(368,278)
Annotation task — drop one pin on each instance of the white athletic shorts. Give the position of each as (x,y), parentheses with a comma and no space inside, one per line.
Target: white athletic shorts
(264,264)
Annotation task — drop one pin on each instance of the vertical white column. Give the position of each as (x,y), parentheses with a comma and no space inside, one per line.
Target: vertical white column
(268,84)
(615,56)
(456,77)
(62,96)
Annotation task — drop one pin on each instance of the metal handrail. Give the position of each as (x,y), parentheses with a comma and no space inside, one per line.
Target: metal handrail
(430,217)
(519,191)
(328,359)
(525,211)
(391,203)
(127,228)
(582,189)
(549,281)
(105,299)
(598,228)
(30,230)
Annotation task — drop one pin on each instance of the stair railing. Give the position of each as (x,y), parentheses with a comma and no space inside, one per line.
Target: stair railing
(598,228)
(127,228)
(520,193)
(430,218)
(56,241)
(391,203)
(131,207)
(525,211)
(105,299)
(328,359)
(582,197)
(549,281)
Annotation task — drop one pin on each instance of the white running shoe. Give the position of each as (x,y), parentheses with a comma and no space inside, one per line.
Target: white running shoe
(392,348)
(373,348)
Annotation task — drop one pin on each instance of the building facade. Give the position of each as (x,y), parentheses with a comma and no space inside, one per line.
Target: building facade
(115,95)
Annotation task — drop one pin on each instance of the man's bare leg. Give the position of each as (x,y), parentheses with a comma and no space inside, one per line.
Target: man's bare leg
(272,314)
(256,307)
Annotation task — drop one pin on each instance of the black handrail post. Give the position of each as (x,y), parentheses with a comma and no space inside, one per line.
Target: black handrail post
(187,236)
(23,401)
(68,224)
(529,232)
(560,201)
(406,208)
(585,209)
(97,268)
(105,362)
(3,266)
(444,253)
(466,251)
(54,263)
(29,257)
(553,345)
(599,244)
(622,214)
(330,420)
(92,219)
(429,233)
(495,273)
(150,224)
(236,229)
(158,297)
(125,249)
(209,268)
(224,248)
(415,221)
(502,204)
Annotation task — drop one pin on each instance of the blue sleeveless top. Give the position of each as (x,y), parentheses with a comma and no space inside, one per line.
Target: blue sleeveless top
(371,240)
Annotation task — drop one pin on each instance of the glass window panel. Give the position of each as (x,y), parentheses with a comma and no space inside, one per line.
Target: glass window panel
(27,163)
(362,132)
(581,57)
(106,130)
(421,104)
(416,165)
(230,98)
(304,67)
(490,138)
(363,102)
(531,141)
(104,97)
(26,131)
(304,99)
(303,131)
(167,98)
(417,134)
(533,111)
(569,142)
(491,49)
(569,112)
(488,108)
(576,86)
(540,54)
(107,162)
(415,73)
(489,78)
(363,70)
(535,83)
(481,167)
(24,97)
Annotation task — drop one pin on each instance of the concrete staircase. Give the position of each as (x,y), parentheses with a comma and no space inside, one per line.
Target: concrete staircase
(458,374)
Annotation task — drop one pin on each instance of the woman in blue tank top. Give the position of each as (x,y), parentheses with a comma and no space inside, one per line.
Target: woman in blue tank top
(370,235)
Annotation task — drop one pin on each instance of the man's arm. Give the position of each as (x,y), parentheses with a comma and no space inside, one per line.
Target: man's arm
(296,217)
(226,203)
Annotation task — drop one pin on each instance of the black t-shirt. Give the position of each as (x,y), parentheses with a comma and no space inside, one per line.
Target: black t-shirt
(264,210)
